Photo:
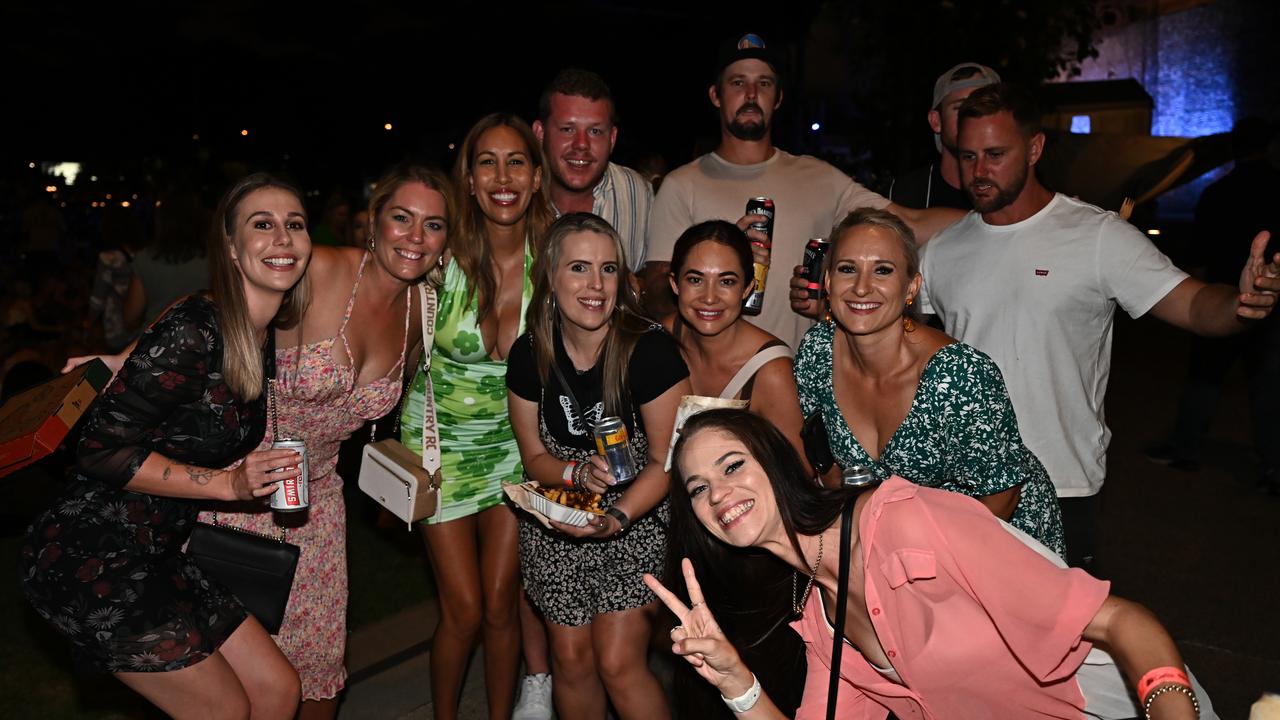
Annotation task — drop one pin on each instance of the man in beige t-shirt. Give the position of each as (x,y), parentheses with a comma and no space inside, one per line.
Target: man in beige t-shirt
(809,195)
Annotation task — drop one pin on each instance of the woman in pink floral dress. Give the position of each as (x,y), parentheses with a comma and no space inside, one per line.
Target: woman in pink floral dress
(344,365)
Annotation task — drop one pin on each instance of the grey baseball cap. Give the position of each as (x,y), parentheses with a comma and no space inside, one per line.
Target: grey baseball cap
(979,76)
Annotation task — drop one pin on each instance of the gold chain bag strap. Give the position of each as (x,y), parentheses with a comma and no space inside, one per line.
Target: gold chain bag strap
(391,473)
(256,567)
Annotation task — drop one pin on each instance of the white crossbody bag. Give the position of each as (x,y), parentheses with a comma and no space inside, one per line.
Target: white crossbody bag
(390,472)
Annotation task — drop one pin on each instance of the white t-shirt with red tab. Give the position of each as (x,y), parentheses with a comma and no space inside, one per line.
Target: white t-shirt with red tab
(1039,297)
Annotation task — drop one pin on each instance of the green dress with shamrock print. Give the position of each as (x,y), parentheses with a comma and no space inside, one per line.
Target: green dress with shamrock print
(478,452)
(960,434)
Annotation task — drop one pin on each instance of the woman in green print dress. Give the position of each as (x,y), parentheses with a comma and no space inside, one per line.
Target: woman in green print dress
(472,541)
(905,399)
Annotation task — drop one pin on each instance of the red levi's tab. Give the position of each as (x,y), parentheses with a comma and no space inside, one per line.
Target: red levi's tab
(1041,272)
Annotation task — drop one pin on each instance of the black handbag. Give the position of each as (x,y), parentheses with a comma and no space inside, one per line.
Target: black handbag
(257,568)
(817,445)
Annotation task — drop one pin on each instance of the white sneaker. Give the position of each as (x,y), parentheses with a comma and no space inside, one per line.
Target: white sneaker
(535,698)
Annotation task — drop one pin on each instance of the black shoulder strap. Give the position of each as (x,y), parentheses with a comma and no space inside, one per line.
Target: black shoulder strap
(569,391)
(842,604)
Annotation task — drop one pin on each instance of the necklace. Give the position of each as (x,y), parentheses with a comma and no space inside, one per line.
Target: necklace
(798,605)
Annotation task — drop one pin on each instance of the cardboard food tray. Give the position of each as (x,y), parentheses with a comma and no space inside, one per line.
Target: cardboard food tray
(527,498)
(35,422)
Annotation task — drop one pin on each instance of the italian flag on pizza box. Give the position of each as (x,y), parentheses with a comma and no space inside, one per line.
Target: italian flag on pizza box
(35,422)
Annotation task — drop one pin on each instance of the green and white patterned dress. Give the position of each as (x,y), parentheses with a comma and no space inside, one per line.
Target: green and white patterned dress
(478,452)
(960,434)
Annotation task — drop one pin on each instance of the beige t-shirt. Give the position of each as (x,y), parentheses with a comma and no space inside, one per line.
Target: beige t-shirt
(809,196)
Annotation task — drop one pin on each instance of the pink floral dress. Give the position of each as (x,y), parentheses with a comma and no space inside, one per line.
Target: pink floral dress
(320,403)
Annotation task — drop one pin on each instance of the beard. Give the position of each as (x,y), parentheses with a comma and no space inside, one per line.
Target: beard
(1004,195)
(748,130)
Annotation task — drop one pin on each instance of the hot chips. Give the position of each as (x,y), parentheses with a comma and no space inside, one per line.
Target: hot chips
(576,499)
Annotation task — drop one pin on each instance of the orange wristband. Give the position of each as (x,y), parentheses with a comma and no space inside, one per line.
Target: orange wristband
(1159,676)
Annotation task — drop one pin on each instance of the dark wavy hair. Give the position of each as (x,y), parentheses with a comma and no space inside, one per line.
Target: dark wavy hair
(748,589)
(716,231)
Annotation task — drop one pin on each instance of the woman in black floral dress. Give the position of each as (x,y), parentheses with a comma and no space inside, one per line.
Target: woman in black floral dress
(105,565)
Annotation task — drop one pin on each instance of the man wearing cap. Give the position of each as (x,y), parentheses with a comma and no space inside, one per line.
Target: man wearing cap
(1032,278)
(809,195)
(938,183)
(577,127)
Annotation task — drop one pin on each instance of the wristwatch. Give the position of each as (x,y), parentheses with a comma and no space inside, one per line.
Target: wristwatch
(621,517)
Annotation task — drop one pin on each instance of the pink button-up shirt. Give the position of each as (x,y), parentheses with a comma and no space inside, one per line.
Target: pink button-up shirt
(976,624)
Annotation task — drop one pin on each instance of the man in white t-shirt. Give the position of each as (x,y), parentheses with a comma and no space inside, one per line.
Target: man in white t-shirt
(809,195)
(1032,278)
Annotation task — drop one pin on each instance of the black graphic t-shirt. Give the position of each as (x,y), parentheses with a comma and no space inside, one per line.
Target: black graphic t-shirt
(655,366)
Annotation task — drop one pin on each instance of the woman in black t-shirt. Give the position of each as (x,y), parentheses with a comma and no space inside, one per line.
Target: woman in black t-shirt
(584,319)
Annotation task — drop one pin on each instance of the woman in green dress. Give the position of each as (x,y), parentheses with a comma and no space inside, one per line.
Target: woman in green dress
(472,542)
(904,399)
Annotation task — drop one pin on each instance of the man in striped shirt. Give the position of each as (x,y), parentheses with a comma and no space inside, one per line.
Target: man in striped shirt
(577,126)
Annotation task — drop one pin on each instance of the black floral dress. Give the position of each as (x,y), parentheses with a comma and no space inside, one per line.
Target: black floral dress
(105,565)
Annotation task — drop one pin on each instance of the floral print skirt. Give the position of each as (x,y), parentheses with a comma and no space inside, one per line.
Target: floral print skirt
(105,568)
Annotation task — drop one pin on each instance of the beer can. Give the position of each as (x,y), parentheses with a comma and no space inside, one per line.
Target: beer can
(759,206)
(292,495)
(612,443)
(858,476)
(815,254)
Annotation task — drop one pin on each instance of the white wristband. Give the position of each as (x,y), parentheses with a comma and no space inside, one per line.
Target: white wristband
(746,700)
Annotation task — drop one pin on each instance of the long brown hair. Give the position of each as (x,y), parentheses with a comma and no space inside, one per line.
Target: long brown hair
(241,354)
(390,182)
(469,241)
(625,327)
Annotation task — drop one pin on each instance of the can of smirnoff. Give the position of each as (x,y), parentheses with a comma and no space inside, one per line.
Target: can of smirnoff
(815,254)
(759,206)
(291,495)
(611,442)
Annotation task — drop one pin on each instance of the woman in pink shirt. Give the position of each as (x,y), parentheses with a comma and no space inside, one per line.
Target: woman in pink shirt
(950,614)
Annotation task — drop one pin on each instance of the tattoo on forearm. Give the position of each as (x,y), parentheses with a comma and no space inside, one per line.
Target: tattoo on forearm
(198,475)
(167,468)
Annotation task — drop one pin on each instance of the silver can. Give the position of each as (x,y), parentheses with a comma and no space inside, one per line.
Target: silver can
(858,476)
(292,495)
(614,446)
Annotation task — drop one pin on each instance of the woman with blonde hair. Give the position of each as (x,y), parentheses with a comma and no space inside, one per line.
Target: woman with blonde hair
(105,564)
(343,365)
(485,293)
(590,355)
(901,398)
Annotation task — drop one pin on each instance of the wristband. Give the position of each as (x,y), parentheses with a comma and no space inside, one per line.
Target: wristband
(620,516)
(1159,676)
(567,475)
(746,700)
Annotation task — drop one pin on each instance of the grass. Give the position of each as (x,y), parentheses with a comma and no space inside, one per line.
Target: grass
(387,570)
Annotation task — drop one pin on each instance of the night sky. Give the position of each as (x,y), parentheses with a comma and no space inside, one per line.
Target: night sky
(114,83)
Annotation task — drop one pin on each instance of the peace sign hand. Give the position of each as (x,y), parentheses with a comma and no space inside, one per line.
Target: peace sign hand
(699,639)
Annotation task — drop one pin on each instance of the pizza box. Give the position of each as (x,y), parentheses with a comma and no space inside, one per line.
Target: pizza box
(35,422)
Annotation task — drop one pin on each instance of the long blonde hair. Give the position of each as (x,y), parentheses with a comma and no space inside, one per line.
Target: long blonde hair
(469,241)
(241,355)
(626,326)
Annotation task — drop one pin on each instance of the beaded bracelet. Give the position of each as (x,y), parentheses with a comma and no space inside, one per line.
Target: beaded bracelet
(1170,687)
(580,476)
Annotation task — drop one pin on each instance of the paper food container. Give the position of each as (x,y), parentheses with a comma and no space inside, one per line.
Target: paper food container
(527,497)
(34,423)
(691,405)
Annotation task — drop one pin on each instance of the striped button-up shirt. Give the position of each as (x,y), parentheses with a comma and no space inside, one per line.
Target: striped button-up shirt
(623,198)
